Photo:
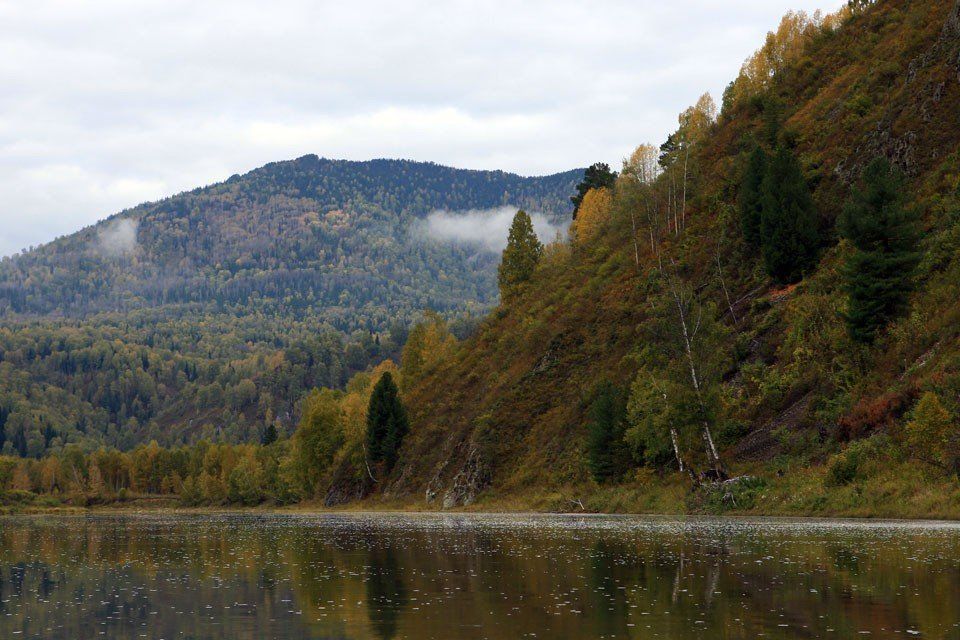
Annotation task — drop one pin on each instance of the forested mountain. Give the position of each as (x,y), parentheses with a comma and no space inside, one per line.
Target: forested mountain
(210,313)
(328,239)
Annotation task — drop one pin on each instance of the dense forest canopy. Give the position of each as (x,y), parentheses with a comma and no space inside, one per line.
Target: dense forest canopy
(327,239)
(211,313)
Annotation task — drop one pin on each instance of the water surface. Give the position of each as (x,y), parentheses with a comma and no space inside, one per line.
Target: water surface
(455,576)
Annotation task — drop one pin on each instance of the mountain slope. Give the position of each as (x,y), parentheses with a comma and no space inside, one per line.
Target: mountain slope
(507,414)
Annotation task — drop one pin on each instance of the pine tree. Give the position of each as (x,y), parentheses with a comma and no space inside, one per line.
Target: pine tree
(596,176)
(387,422)
(520,257)
(789,232)
(751,196)
(879,275)
(608,456)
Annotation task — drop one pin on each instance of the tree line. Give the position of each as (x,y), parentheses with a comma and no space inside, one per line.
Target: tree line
(354,433)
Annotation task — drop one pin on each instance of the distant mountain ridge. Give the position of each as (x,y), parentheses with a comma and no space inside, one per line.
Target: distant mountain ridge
(306,236)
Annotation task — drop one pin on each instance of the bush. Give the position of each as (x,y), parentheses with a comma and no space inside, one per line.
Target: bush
(851,465)
(17,497)
(931,435)
(844,469)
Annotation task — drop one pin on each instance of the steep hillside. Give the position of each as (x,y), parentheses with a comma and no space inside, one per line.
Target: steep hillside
(507,414)
(210,313)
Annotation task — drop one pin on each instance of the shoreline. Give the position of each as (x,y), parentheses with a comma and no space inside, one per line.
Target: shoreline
(134,511)
(892,491)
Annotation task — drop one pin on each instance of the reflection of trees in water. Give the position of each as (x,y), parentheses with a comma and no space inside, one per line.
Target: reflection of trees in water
(353,582)
(386,593)
(612,568)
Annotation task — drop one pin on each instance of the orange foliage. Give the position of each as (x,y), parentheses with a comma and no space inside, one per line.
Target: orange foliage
(873,414)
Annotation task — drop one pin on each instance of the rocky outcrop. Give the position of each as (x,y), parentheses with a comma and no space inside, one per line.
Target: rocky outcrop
(472,478)
(926,87)
(464,470)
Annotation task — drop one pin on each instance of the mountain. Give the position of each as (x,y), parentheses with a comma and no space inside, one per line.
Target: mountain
(211,312)
(826,423)
(329,239)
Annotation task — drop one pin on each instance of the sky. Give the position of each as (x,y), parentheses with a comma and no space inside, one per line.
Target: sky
(106,104)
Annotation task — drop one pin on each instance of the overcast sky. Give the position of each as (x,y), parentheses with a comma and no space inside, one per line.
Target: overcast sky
(107,104)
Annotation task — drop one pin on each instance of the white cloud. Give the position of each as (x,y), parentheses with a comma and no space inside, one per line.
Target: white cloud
(110,102)
(118,238)
(485,228)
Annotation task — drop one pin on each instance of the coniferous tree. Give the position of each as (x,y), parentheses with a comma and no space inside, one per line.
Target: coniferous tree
(521,255)
(608,456)
(269,435)
(879,275)
(789,232)
(751,196)
(596,176)
(387,422)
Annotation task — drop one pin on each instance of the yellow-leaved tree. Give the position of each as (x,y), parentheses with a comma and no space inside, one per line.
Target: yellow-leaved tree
(429,343)
(593,215)
(355,403)
(931,435)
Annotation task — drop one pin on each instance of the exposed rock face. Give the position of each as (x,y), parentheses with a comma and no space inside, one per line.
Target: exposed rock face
(928,89)
(951,31)
(472,478)
(465,470)
(952,28)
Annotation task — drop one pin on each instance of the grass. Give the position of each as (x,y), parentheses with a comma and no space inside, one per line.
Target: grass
(885,488)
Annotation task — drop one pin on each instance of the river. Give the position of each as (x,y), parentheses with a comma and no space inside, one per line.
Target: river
(383,576)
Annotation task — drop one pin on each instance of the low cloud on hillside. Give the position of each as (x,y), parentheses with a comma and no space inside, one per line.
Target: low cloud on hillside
(486,228)
(118,238)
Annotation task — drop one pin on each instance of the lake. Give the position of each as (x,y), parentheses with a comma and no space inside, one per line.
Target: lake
(457,576)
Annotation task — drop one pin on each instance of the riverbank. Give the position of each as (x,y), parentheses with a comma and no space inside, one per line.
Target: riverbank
(875,489)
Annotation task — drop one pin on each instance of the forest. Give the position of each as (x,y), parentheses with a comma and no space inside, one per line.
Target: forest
(757,315)
(212,313)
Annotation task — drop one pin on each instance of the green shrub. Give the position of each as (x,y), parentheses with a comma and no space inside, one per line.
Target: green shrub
(844,469)
(852,464)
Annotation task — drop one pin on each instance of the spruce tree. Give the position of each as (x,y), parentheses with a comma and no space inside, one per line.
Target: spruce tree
(751,196)
(878,276)
(269,435)
(789,233)
(520,257)
(596,176)
(387,422)
(608,456)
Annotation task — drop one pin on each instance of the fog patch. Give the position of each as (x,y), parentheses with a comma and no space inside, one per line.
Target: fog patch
(118,238)
(484,228)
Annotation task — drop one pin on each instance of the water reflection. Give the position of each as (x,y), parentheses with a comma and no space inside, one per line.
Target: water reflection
(388,577)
